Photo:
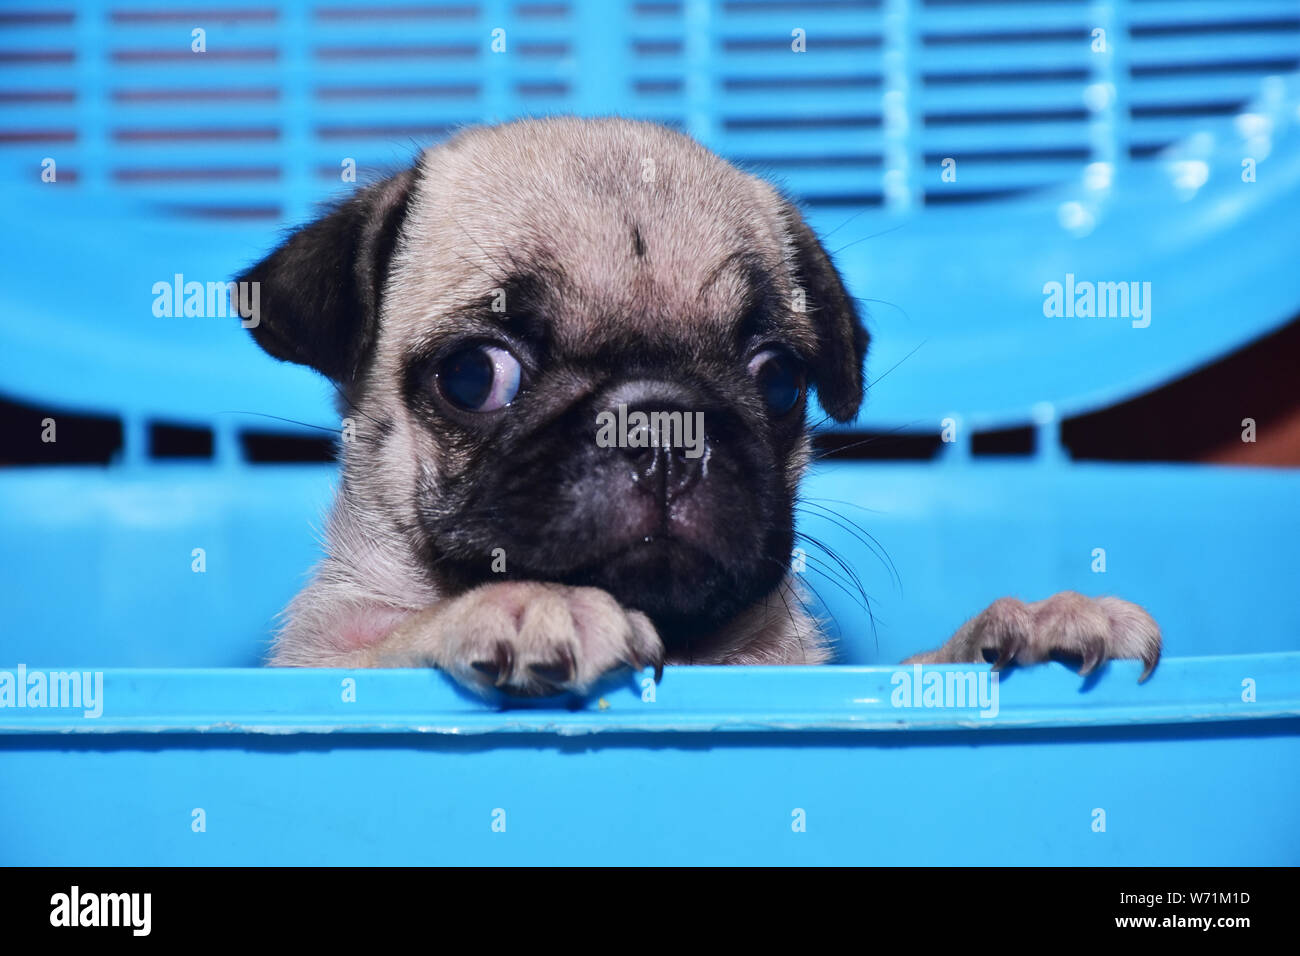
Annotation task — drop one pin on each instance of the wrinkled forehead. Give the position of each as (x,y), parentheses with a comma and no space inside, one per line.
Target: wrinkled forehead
(685,247)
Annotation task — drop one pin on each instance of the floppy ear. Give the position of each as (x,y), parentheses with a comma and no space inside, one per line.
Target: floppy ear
(319,293)
(841,336)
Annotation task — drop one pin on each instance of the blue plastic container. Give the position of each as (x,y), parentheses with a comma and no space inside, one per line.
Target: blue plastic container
(1115,164)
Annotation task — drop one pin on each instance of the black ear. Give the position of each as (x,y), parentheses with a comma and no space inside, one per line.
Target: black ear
(319,293)
(842,338)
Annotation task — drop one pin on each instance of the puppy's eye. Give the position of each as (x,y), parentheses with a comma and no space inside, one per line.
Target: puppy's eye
(480,378)
(780,379)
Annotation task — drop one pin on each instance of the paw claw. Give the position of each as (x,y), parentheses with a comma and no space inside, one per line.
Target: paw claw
(1093,654)
(498,669)
(559,672)
(1007,652)
(1149,662)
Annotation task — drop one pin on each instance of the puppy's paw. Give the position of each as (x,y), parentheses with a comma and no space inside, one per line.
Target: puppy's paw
(527,639)
(1065,626)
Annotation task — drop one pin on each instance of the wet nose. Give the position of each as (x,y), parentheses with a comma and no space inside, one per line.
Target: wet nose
(666,472)
(661,433)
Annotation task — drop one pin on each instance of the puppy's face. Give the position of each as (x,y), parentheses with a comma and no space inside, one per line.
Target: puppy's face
(503,315)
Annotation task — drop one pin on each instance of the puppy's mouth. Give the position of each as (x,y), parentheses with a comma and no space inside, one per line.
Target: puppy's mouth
(662,551)
(686,590)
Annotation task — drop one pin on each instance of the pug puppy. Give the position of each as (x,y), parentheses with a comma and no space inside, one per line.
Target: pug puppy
(481,315)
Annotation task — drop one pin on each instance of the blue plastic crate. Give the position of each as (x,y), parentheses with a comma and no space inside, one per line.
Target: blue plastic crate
(1116,165)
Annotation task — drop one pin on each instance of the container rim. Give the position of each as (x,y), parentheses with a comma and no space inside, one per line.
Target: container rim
(835,698)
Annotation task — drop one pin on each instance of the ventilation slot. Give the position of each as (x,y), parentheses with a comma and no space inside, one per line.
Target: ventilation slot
(179,441)
(1004,442)
(265,447)
(876,446)
(78,439)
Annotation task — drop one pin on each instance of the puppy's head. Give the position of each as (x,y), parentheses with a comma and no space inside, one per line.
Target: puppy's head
(577,351)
